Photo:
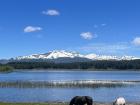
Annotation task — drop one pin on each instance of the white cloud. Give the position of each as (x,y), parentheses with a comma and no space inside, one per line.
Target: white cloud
(136,41)
(51,12)
(87,35)
(32,29)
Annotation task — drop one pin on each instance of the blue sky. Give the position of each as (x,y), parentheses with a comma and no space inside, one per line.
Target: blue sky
(110,27)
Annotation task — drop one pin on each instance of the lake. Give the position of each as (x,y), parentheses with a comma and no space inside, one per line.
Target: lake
(62,85)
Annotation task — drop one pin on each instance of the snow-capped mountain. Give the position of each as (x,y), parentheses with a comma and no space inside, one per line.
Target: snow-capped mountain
(66,54)
(53,55)
(108,57)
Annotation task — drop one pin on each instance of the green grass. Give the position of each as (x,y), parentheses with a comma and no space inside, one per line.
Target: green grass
(33,103)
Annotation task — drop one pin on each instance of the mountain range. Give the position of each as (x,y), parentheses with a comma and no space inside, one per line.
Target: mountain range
(62,54)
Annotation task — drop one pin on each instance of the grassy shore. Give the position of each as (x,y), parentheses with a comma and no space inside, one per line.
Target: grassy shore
(95,103)
(4,68)
(1,103)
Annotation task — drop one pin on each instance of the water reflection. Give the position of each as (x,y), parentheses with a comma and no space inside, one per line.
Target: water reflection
(27,75)
(75,83)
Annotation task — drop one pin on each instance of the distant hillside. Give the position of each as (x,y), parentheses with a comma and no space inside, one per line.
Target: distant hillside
(4,61)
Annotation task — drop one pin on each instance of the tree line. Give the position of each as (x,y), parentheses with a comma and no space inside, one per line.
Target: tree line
(100,64)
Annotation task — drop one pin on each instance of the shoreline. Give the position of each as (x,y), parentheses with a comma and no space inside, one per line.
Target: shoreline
(42,69)
(60,103)
(67,69)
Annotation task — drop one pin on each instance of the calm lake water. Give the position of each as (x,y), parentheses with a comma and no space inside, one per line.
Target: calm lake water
(21,93)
